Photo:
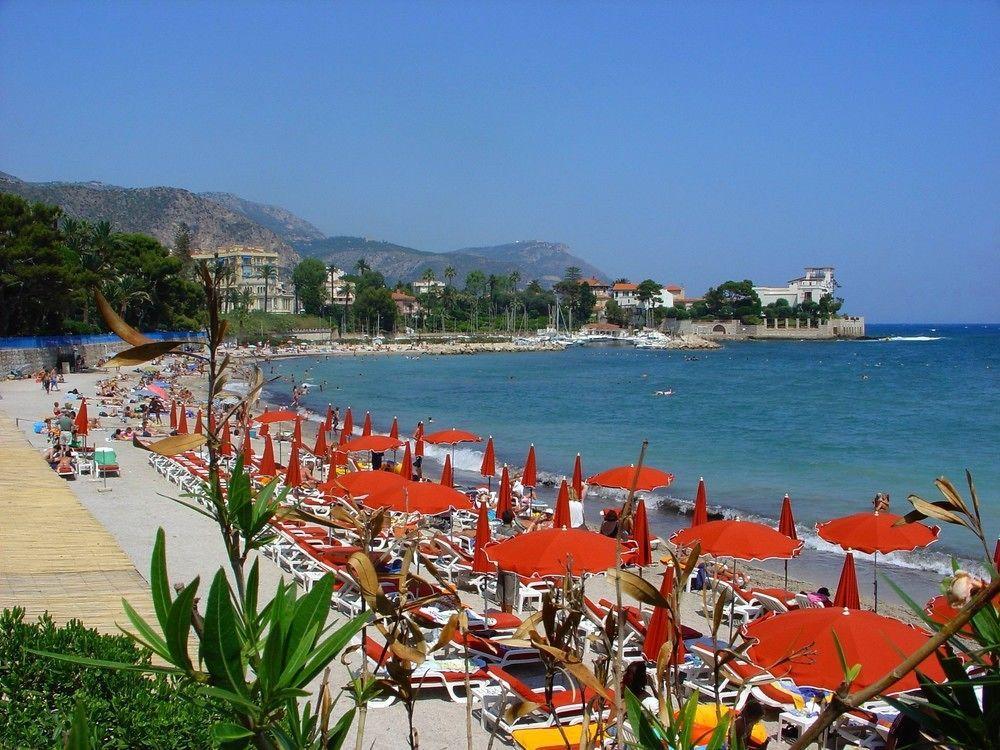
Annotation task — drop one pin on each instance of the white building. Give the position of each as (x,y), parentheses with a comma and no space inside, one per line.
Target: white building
(427,286)
(247,264)
(669,296)
(625,295)
(341,291)
(811,287)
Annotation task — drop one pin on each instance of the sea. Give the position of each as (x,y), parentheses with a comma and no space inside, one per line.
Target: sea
(828,422)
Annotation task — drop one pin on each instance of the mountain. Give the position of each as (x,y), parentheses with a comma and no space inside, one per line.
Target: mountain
(282,222)
(217,219)
(533,259)
(156,211)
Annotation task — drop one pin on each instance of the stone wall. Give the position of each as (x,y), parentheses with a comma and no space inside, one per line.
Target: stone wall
(730,330)
(36,359)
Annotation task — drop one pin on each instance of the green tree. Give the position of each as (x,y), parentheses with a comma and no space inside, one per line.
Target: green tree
(182,243)
(375,307)
(309,278)
(646,292)
(361,266)
(616,314)
(268,273)
(449,274)
(573,273)
(428,275)
(733,300)
(515,278)
(476,283)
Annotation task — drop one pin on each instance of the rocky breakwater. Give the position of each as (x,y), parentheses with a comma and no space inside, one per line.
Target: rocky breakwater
(691,341)
(493,347)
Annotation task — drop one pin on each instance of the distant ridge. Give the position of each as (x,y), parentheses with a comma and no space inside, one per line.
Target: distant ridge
(217,219)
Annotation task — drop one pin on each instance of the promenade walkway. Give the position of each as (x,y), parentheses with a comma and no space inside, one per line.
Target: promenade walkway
(54,555)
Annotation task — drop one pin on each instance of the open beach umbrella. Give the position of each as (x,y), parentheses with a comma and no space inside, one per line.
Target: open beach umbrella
(419,497)
(548,552)
(529,477)
(269,417)
(786,525)
(504,500)
(560,519)
(320,448)
(621,477)
(488,467)
(182,421)
(293,474)
(800,644)
(158,391)
(700,514)
(362,483)
(847,588)
(406,464)
(640,535)
(173,415)
(366,429)
(199,426)
(483,537)
(940,610)
(394,430)
(447,476)
(578,476)
(660,624)
(452,437)
(82,421)
(226,443)
(874,532)
(373,443)
(740,540)
(348,427)
(267,466)
(328,422)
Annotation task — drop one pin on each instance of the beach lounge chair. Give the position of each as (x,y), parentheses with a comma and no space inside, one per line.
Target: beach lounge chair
(447,675)
(568,704)
(805,602)
(770,603)
(742,610)
(493,650)
(106,463)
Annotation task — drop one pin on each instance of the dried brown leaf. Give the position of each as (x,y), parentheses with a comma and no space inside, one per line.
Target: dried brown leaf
(117,325)
(142,353)
(175,444)
(638,588)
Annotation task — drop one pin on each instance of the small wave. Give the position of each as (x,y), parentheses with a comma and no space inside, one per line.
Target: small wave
(911,338)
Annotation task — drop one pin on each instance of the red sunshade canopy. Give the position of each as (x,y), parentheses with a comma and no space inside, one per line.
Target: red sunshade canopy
(182,421)
(621,477)
(451,437)
(578,476)
(847,588)
(640,535)
(504,496)
(743,540)
(786,523)
(483,537)
(700,514)
(488,468)
(875,532)
(361,483)
(270,417)
(529,477)
(560,518)
(547,552)
(373,443)
(428,498)
(801,646)
(82,421)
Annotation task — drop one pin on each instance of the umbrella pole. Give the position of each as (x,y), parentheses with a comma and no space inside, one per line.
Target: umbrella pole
(876,581)
(732,602)
(786,575)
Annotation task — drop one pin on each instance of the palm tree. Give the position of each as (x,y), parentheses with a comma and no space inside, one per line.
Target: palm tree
(347,297)
(268,273)
(515,277)
(126,290)
(428,275)
(449,274)
(362,266)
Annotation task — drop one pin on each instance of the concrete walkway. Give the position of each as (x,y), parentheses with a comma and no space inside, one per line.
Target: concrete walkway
(54,555)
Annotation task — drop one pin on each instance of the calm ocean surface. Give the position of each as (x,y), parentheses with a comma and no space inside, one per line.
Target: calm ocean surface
(831,423)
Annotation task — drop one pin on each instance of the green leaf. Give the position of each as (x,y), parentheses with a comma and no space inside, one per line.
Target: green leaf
(159,584)
(226,731)
(311,609)
(332,646)
(150,638)
(229,696)
(220,644)
(79,736)
(105,664)
(179,625)
(340,730)
(642,723)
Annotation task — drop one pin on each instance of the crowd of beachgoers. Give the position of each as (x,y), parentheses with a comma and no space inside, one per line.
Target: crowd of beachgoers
(501,549)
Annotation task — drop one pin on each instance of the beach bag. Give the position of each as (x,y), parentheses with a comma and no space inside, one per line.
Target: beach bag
(39,427)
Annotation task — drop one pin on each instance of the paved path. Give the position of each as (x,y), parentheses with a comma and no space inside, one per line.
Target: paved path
(54,555)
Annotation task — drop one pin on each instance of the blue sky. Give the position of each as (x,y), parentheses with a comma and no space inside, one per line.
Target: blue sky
(686,143)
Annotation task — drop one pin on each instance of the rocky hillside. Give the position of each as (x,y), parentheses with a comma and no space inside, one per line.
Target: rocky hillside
(282,222)
(156,211)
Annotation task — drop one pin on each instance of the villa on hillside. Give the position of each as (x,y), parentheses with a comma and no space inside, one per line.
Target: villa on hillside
(341,293)
(406,305)
(428,286)
(247,263)
(811,287)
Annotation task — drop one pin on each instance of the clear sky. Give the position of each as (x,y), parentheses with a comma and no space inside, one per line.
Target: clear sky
(685,143)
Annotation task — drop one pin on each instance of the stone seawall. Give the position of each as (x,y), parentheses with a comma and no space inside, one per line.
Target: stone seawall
(49,356)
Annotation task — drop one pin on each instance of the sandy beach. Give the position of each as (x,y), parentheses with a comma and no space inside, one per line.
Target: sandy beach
(134,506)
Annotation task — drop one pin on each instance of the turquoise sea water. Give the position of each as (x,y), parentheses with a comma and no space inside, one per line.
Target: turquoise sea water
(831,423)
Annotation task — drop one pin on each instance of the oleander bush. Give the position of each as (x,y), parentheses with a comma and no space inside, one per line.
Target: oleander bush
(125,709)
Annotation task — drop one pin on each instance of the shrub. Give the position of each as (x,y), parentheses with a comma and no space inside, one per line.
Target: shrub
(125,709)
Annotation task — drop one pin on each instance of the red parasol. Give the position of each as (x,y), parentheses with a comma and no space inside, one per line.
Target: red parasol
(418,433)
(742,540)
(406,465)
(328,421)
(700,514)
(373,443)
(297,432)
(367,428)
(226,445)
(578,476)
(363,483)
(156,390)
(182,421)
(786,525)
(560,519)
(394,430)
(504,501)
(173,414)
(660,624)
(621,477)
(488,468)
(82,421)
(847,588)
(875,532)
(348,427)
(247,450)
(451,437)
(529,477)
(264,430)
(419,449)
(419,497)
(801,646)
(483,537)
(211,420)
(548,553)
(640,535)
(940,610)
(320,448)
(270,417)
(447,476)
(996,555)
(293,474)
(199,427)
(267,466)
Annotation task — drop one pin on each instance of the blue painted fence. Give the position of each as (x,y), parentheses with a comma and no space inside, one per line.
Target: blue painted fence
(46,342)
